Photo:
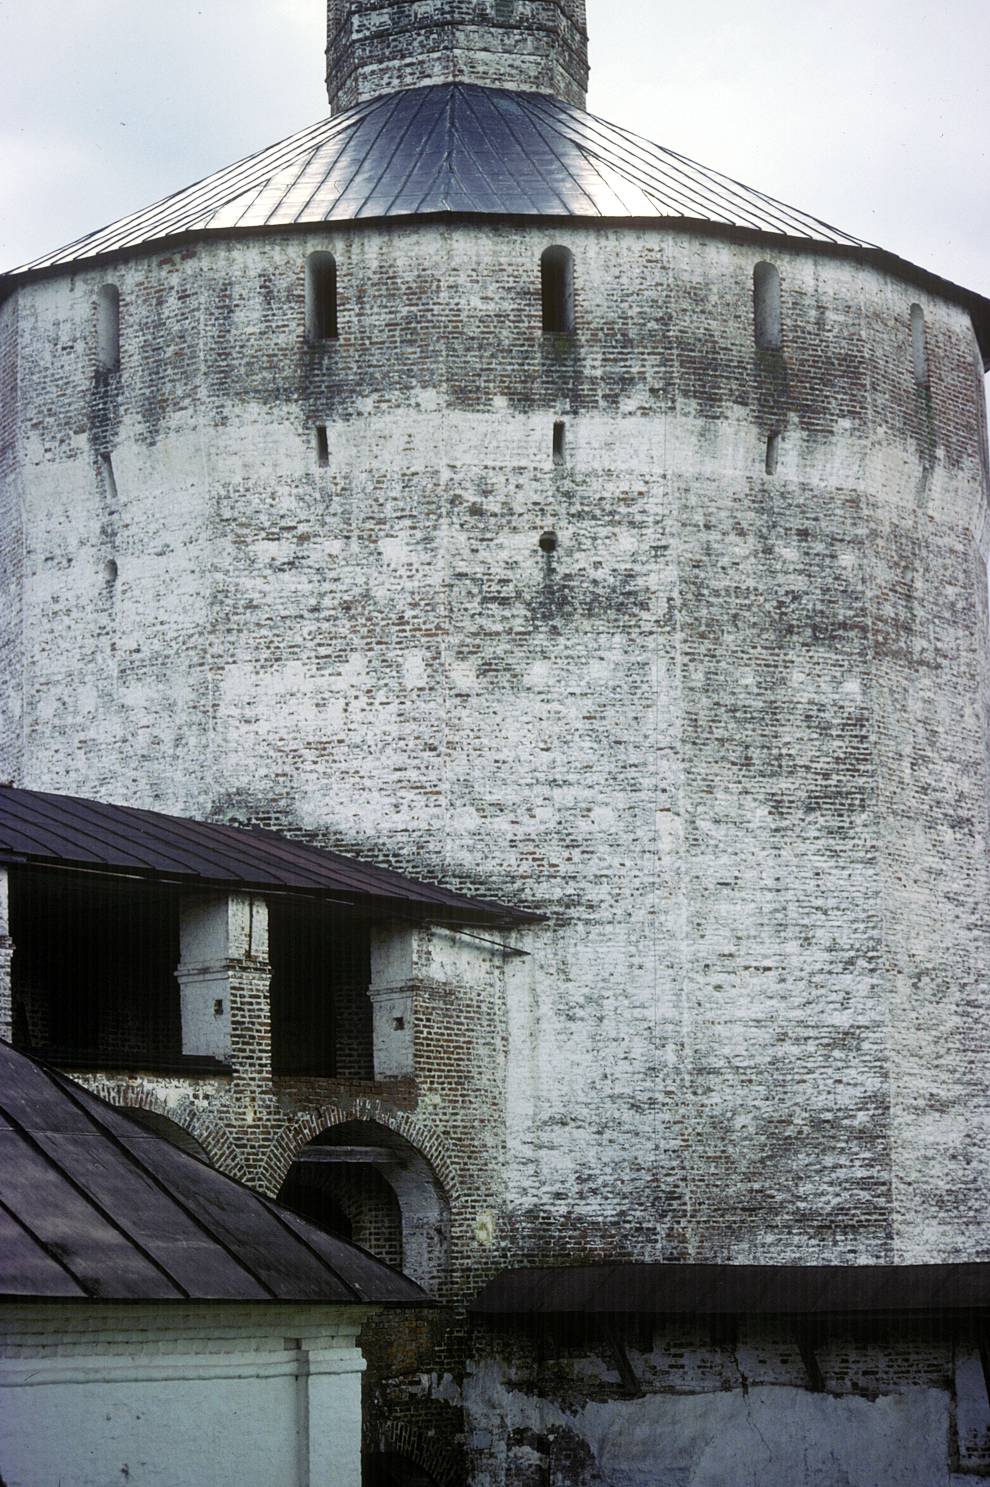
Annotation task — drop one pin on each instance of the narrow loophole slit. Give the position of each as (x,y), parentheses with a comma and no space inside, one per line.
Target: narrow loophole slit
(773,453)
(109,477)
(767,327)
(108,328)
(321,298)
(559,441)
(919,345)
(322,447)
(557,280)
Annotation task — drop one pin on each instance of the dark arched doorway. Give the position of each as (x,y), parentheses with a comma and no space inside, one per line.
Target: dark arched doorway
(347,1196)
(369,1185)
(392,1469)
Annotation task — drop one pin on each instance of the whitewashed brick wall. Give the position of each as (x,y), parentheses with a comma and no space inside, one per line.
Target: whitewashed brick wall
(731,736)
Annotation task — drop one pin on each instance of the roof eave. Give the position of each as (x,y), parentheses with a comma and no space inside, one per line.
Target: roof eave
(483,913)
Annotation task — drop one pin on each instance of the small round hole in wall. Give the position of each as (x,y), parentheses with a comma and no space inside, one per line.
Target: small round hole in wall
(548,542)
(110,570)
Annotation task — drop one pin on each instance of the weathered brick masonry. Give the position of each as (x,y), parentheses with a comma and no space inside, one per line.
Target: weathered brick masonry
(731,734)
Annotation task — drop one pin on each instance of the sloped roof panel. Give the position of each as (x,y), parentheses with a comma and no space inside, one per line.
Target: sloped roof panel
(41,828)
(93,1205)
(453,147)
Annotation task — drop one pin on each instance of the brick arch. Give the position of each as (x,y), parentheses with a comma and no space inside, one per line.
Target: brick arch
(211,1135)
(289,1142)
(404,1439)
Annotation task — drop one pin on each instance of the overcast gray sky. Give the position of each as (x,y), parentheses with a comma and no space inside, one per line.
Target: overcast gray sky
(868,113)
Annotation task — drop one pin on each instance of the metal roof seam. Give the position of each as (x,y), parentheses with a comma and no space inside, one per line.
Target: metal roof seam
(394,111)
(437,122)
(29,1138)
(470,148)
(273,1209)
(652,150)
(43,1245)
(70,1089)
(517,108)
(535,124)
(357,168)
(92,826)
(443,118)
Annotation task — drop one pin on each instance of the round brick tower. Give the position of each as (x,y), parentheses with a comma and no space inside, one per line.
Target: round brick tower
(468,486)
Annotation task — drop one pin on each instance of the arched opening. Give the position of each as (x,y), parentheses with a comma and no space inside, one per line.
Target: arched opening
(351,1199)
(321,297)
(169,1129)
(108,328)
(919,345)
(766,307)
(557,279)
(393,1469)
(369,1185)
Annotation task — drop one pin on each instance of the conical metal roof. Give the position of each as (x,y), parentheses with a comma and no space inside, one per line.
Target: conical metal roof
(466,150)
(453,148)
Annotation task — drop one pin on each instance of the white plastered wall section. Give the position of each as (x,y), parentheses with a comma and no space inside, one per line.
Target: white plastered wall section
(768,1434)
(237,1396)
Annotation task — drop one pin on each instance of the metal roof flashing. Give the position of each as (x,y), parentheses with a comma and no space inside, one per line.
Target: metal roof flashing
(461,150)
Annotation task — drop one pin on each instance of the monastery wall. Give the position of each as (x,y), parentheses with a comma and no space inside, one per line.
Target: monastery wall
(729,732)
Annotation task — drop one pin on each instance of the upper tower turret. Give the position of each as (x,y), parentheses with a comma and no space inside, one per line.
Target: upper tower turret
(380,46)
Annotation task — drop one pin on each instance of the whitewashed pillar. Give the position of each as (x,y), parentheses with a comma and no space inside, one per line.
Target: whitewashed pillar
(332,1413)
(396,961)
(224,978)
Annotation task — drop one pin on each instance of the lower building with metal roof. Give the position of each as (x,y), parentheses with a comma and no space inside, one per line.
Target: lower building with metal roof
(160,1320)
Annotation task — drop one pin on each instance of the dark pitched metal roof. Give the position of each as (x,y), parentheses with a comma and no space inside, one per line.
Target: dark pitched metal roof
(453,147)
(714,1290)
(45,829)
(94,1205)
(458,148)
